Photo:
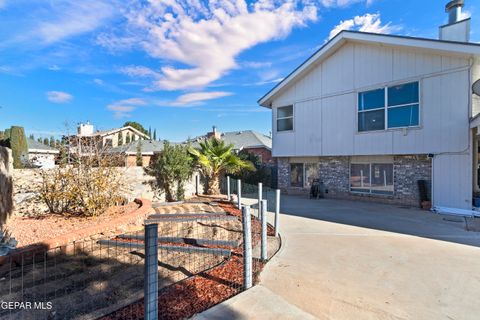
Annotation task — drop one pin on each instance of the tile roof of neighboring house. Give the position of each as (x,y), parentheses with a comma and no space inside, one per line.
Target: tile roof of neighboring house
(35,146)
(242,139)
(148,147)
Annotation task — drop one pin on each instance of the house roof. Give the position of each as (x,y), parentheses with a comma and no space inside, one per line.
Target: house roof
(241,139)
(450,47)
(37,147)
(148,147)
(113,131)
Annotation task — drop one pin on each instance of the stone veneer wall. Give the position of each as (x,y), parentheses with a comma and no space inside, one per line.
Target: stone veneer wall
(6,184)
(334,172)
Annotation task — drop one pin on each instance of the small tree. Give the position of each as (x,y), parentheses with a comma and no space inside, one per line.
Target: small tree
(127,138)
(135,125)
(150,133)
(216,158)
(139,156)
(39,140)
(32,137)
(155,134)
(173,167)
(46,141)
(120,138)
(18,144)
(52,142)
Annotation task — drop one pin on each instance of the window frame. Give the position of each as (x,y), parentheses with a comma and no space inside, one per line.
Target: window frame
(386,107)
(283,118)
(370,189)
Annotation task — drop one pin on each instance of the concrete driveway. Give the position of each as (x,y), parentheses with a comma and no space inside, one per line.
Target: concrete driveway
(354,260)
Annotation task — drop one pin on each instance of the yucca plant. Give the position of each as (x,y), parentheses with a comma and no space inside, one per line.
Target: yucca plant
(217,158)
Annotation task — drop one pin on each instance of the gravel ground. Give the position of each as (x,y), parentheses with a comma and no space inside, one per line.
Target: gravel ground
(29,230)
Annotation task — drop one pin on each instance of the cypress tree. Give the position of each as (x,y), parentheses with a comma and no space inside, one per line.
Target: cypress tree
(155,134)
(45,141)
(52,142)
(150,133)
(127,138)
(139,158)
(120,139)
(32,137)
(18,144)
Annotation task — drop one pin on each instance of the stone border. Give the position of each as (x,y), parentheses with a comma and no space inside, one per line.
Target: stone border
(136,216)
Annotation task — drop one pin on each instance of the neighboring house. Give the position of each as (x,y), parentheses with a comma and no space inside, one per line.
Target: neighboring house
(249,140)
(41,155)
(369,115)
(148,149)
(86,138)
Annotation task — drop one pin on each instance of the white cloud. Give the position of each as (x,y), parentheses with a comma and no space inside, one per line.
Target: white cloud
(124,108)
(206,38)
(54,68)
(3,3)
(139,71)
(99,82)
(73,18)
(59,97)
(343,3)
(369,22)
(195,98)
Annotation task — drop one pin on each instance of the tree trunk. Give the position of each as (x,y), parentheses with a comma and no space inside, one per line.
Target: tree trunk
(168,193)
(214,185)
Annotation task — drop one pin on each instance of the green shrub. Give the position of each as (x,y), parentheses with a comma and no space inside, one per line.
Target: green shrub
(18,144)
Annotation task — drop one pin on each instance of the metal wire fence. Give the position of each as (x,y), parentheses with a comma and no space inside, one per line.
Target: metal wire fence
(177,265)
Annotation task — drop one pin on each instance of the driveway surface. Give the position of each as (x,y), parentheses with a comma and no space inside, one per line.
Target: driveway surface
(355,260)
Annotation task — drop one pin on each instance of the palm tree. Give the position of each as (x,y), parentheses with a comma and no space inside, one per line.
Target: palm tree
(217,158)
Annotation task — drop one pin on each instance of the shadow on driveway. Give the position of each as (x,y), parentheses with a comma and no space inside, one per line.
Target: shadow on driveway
(408,221)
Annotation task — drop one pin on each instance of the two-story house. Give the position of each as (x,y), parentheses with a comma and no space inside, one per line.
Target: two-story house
(370,115)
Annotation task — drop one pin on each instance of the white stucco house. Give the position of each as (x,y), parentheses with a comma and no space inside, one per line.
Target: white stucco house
(369,115)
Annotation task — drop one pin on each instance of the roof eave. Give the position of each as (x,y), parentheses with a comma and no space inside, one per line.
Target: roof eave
(467,49)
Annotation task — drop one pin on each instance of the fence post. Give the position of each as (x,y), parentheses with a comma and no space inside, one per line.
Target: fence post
(277,211)
(247,248)
(228,188)
(151,272)
(260,187)
(263,217)
(239,191)
(197,184)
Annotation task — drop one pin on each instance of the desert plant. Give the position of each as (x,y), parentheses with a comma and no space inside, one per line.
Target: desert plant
(7,242)
(88,186)
(18,144)
(173,167)
(216,158)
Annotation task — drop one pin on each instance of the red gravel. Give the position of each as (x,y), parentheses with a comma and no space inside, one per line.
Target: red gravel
(29,230)
(200,292)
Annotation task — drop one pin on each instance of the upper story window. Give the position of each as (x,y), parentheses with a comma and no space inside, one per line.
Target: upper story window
(389,107)
(285,118)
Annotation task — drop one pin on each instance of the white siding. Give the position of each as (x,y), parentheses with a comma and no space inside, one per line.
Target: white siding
(325,104)
(452,176)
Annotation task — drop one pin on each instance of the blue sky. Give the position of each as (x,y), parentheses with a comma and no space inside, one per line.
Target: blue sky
(179,66)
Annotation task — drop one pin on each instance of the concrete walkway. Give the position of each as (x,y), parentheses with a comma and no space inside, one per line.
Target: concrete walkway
(353,260)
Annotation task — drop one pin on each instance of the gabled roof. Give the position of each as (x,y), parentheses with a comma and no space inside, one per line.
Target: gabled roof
(113,131)
(148,147)
(241,139)
(37,147)
(442,46)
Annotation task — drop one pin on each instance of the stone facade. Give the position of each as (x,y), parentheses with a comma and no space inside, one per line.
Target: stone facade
(334,173)
(6,184)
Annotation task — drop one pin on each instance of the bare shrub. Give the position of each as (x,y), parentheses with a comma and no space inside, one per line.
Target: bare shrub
(88,185)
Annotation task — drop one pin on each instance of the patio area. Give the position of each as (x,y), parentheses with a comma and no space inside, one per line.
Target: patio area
(357,260)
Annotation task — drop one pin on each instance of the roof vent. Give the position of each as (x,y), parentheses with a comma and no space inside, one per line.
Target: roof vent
(454,10)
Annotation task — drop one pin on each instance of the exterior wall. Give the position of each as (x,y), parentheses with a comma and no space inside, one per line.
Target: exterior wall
(325,104)
(114,137)
(475,77)
(131,161)
(264,153)
(6,184)
(334,173)
(42,160)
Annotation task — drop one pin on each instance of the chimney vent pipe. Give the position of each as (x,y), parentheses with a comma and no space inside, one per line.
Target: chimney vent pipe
(454,10)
